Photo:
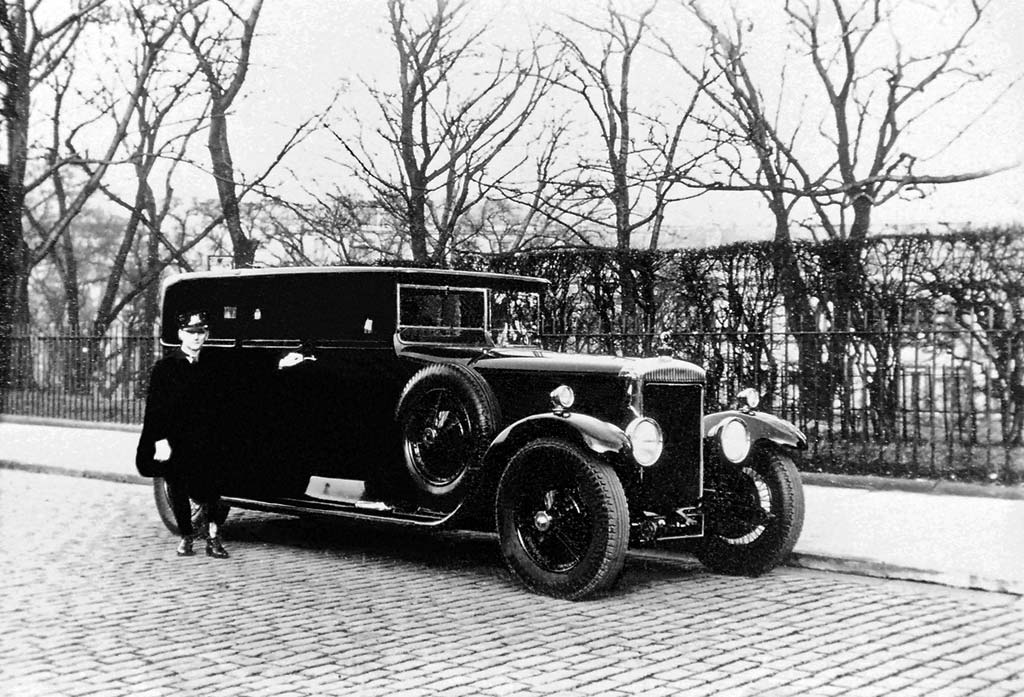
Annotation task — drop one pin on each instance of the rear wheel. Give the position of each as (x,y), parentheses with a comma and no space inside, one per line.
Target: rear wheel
(162,495)
(562,519)
(755,514)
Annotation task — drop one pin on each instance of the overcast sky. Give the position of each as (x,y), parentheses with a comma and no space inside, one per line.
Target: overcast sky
(306,49)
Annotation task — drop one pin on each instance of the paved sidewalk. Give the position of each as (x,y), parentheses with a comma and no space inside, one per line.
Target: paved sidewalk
(962,541)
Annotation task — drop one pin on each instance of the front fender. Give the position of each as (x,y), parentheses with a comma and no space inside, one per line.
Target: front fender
(599,436)
(761,425)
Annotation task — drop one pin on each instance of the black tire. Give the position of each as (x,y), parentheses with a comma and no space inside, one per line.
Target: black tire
(755,514)
(448,416)
(162,497)
(562,520)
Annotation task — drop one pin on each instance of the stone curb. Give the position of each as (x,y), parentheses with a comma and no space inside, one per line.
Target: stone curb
(72,472)
(69,423)
(860,567)
(917,486)
(877,569)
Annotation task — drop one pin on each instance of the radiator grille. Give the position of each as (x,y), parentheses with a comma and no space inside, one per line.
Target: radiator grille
(676,479)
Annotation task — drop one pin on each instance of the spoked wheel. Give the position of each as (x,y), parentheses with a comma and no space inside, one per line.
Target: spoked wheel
(755,514)
(162,495)
(448,415)
(562,520)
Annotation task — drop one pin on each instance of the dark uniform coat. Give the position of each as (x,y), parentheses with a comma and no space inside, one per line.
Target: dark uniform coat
(180,408)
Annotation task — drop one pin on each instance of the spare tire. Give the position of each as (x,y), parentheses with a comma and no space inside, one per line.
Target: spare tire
(448,416)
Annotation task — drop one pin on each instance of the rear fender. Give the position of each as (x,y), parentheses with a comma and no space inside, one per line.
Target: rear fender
(761,425)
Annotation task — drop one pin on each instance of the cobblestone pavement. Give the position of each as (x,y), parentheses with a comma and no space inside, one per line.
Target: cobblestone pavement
(94,602)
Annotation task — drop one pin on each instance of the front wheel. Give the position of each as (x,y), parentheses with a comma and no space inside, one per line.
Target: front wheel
(755,514)
(562,519)
(162,494)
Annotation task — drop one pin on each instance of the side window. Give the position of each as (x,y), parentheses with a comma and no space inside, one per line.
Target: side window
(515,317)
(434,314)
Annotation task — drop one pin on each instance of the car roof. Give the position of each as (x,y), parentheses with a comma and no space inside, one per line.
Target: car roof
(397,273)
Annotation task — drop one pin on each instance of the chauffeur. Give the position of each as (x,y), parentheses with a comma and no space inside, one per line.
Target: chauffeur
(178,411)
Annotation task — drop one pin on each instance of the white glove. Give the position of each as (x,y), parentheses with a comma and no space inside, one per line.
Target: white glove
(163,450)
(290,359)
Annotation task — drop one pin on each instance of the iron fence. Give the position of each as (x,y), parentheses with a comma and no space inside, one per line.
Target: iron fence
(83,378)
(915,401)
(911,401)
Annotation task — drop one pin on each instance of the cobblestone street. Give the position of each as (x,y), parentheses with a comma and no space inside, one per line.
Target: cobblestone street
(93,601)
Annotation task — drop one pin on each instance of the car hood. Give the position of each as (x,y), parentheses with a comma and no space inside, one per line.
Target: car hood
(529,359)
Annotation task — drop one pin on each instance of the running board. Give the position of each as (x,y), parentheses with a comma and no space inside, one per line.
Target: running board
(366,511)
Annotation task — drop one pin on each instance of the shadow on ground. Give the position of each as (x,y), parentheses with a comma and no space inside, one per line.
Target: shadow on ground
(466,552)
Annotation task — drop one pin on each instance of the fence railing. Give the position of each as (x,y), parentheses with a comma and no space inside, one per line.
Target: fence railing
(911,402)
(82,378)
(929,403)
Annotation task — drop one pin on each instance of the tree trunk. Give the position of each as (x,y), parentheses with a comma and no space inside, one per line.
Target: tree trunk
(628,324)
(10,254)
(14,264)
(243,248)
(811,378)
(14,254)
(417,222)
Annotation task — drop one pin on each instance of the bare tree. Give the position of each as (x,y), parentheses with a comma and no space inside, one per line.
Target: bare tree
(876,93)
(442,142)
(154,144)
(220,39)
(159,29)
(32,56)
(137,142)
(165,91)
(546,203)
(30,50)
(743,127)
(638,171)
(327,231)
(642,164)
(873,105)
(225,70)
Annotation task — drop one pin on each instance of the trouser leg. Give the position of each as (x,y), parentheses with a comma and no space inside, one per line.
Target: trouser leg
(212,514)
(181,505)
(214,546)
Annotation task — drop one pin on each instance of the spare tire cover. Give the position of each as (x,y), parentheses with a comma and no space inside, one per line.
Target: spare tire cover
(448,416)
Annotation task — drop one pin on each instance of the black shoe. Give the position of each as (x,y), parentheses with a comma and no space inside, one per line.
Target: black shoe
(185,547)
(215,549)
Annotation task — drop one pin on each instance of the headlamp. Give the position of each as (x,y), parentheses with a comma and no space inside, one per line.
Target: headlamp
(647,441)
(562,397)
(748,399)
(735,440)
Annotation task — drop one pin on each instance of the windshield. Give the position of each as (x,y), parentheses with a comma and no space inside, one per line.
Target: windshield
(431,314)
(515,317)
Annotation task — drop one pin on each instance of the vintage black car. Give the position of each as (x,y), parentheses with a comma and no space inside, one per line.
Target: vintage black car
(419,397)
